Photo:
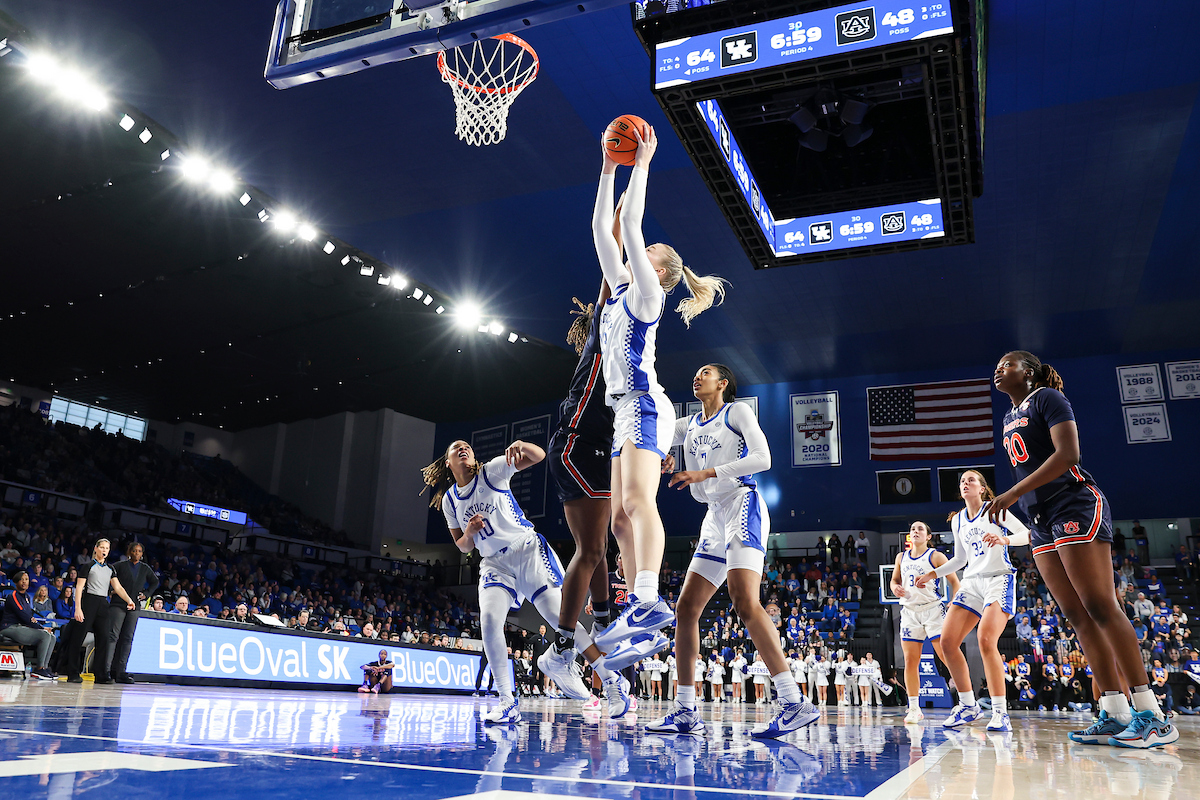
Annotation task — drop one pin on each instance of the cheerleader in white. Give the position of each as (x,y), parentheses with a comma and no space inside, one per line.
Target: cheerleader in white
(483,515)
(988,597)
(716,679)
(643,416)
(921,610)
(800,673)
(822,668)
(723,448)
(759,670)
(737,673)
(839,678)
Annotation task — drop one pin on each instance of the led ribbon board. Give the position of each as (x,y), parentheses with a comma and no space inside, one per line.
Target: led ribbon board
(898,222)
(776,42)
(211,512)
(175,646)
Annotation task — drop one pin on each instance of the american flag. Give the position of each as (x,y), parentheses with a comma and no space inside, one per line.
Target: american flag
(930,421)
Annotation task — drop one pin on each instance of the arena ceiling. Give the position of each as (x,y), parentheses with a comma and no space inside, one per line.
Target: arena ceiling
(140,292)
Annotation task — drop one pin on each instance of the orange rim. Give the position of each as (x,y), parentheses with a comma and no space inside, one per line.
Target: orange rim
(507,37)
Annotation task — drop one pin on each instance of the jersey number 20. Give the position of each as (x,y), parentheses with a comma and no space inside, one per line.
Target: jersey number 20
(1015,447)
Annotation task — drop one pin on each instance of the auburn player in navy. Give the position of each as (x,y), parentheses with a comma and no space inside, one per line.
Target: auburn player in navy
(579,465)
(1071,535)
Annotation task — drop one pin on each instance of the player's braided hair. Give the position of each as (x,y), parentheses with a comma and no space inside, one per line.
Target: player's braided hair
(577,334)
(437,476)
(1043,374)
(988,495)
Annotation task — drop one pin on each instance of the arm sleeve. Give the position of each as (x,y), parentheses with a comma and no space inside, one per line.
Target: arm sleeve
(607,250)
(151,583)
(1016,531)
(758,455)
(681,426)
(960,556)
(645,296)
(1055,407)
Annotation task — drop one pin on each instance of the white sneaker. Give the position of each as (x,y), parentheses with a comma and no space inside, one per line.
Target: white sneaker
(962,715)
(592,704)
(564,670)
(790,717)
(681,720)
(616,689)
(504,714)
(913,716)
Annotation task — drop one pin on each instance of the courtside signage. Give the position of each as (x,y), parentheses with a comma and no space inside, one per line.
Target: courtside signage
(828,32)
(188,650)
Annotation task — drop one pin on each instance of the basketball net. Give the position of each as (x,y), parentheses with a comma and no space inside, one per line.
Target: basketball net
(485,78)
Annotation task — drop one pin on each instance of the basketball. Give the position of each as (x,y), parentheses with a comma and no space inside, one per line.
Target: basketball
(619,140)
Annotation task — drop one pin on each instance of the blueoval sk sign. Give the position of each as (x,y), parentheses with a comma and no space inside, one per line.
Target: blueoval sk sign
(180,647)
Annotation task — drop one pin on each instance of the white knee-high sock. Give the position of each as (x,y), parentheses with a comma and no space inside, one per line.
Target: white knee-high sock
(494,603)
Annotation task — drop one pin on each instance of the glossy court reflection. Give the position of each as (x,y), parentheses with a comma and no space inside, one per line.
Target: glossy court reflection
(63,740)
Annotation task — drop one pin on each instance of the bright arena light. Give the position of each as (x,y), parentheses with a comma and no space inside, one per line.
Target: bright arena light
(307,232)
(399,281)
(196,169)
(468,315)
(440,309)
(512,337)
(428,299)
(126,122)
(145,135)
(366,270)
(70,83)
(495,329)
(286,221)
(221,182)
(244,199)
(384,280)
(417,293)
(328,248)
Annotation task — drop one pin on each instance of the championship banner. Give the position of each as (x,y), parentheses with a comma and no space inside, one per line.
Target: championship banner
(816,430)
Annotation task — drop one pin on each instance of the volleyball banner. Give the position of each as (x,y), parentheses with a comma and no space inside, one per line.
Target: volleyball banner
(816,430)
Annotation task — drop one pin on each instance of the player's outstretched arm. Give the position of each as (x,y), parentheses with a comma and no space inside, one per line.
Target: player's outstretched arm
(646,294)
(608,247)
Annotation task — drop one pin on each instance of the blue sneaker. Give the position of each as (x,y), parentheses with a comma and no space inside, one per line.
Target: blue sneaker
(504,714)
(999,723)
(616,689)
(1146,730)
(641,646)
(791,717)
(962,715)
(681,720)
(1099,732)
(637,618)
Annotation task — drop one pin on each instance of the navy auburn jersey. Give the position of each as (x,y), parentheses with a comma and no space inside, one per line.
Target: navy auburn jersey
(1028,444)
(618,592)
(584,410)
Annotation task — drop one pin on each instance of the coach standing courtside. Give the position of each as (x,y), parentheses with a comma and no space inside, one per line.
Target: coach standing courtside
(140,582)
(91,614)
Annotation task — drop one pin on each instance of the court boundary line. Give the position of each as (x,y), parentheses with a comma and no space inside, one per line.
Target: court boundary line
(902,781)
(463,770)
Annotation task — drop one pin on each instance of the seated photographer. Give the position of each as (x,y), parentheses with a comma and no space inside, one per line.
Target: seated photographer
(377,675)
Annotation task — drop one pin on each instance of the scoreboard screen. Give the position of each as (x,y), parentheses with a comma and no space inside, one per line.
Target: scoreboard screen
(863,227)
(776,42)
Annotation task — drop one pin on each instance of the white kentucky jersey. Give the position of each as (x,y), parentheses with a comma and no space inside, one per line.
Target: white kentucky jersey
(488,494)
(717,441)
(984,561)
(912,568)
(627,345)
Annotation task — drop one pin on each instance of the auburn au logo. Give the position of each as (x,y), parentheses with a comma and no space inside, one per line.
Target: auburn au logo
(1071,527)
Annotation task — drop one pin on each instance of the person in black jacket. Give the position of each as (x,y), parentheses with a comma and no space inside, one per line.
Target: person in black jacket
(140,582)
(18,624)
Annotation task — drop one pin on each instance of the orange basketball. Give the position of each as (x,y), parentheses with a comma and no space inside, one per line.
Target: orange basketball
(619,140)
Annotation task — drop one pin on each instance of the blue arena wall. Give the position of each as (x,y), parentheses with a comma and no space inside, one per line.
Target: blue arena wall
(1146,481)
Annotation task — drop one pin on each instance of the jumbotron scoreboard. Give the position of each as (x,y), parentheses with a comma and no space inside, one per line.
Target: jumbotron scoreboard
(828,131)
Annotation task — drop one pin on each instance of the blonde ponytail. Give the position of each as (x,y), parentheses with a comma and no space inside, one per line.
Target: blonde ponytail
(706,291)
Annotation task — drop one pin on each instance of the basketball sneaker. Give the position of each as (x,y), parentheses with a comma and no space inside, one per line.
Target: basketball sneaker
(504,714)
(616,689)
(681,720)
(1146,730)
(913,716)
(1000,723)
(564,670)
(962,715)
(630,652)
(592,704)
(1099,732)
(790,717)
(638,617)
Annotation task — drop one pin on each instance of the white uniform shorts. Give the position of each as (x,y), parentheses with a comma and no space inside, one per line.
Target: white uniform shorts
(976,594)
(525,570)
(921,623)
(732,536)
(648,420)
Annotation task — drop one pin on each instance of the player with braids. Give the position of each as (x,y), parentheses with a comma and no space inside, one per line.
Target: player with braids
(1071,533)
(987,597)
(482,514)
(644,418)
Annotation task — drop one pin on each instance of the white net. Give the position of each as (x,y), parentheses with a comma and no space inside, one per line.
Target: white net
(485,77)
